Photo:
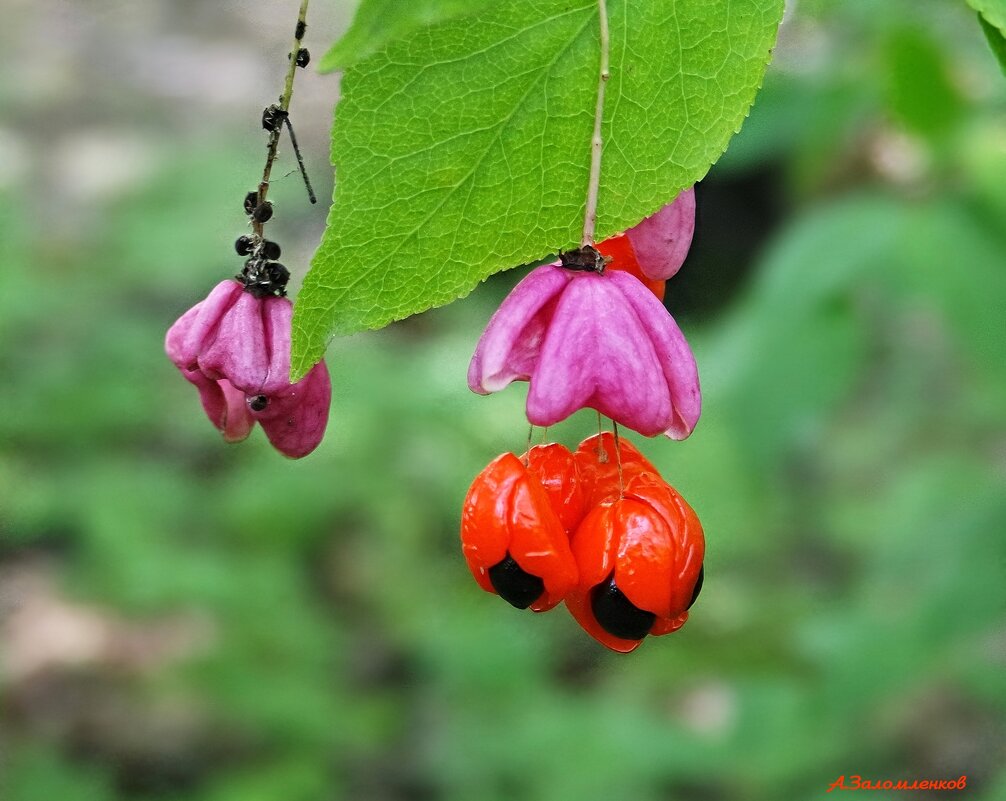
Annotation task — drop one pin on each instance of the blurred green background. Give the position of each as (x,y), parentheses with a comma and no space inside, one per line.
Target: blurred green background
(180,619)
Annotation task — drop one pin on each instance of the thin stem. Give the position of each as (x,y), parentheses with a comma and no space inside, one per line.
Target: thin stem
(602,453)
(527,453)
(300,160)
(618,459)
(284,104)
(596,143)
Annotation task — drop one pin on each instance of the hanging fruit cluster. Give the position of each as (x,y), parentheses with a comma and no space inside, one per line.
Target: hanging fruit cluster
(598,529)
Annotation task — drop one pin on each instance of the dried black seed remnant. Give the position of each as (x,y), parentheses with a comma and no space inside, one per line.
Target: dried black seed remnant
(264,278)
(303,57)
(278,274)
(257,403)
(515,585)
(586,259)
(243,245)
(617,615)
(251,201)
(272,117)
(270,250)
(301,29)
(262,212)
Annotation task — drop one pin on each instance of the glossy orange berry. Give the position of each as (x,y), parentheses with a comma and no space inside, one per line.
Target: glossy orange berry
(623,257)
(512,539)
(556,469)
(597,466)
(639,559)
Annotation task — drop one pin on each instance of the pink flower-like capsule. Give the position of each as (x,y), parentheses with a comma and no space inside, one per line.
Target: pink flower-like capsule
(235,348)
(661,241)
(589,339)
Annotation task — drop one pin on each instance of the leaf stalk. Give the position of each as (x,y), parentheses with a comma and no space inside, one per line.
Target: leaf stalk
(597,143)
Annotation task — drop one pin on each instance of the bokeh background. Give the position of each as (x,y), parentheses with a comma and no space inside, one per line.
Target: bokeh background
(180,619)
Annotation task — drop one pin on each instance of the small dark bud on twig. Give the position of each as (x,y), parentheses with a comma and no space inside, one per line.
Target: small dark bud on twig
(251,201)
(262,212)
(272,118)
(278,274)
(243,245)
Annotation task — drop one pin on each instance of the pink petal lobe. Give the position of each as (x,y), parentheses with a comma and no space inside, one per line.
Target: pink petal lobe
(174,340)
(596,353)
(508,349)
(224,405)
(661,241)
(238,420)
(239,351)
(201,329)
(677,364)
(278,317)
(295,418)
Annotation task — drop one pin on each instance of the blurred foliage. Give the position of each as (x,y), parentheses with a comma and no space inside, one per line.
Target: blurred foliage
(309,629)
(996,39)
(992,18)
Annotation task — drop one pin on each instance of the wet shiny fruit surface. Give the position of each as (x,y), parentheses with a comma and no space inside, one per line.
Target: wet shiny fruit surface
(512,539)
(597,528)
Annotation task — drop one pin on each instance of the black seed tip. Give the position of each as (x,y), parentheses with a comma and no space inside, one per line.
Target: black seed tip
(251,201)
(617,615)
(243,245)
(303,57)
(515,585)
(257,402)
(698,586)
(270,250)
(262,212)
(301,29)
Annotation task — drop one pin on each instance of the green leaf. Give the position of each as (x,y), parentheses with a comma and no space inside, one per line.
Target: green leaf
(992,18)
(464,149)
(993,11)
(378,22)
(997,40)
